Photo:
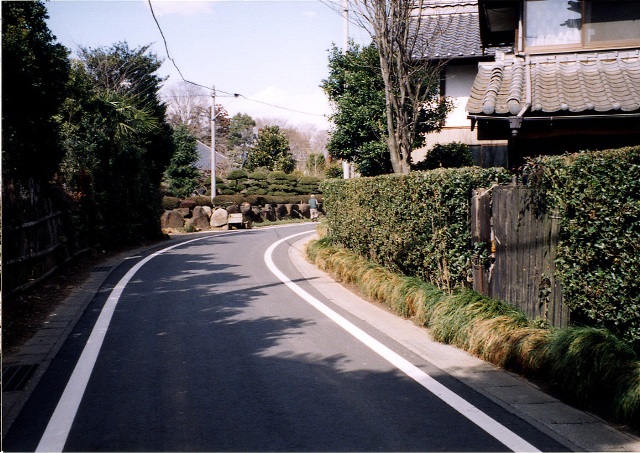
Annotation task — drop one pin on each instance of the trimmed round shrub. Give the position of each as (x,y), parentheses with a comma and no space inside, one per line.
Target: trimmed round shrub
(237,174)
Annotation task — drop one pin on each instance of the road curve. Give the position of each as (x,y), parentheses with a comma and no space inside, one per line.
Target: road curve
(218,343)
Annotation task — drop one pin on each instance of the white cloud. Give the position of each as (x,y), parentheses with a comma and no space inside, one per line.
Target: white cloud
(182,7)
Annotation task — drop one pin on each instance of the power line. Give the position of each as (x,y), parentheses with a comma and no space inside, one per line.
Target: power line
(282,108)
(166,46)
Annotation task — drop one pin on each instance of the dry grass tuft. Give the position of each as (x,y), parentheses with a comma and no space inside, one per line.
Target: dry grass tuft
(590,366)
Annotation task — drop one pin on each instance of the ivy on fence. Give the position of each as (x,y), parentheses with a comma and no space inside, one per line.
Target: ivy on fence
(598,197)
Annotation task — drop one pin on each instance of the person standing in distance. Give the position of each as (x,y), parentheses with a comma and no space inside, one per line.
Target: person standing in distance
(313,208)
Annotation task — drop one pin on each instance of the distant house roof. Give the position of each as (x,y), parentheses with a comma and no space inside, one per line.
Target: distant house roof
(204,156)
(451,29)
(587,82)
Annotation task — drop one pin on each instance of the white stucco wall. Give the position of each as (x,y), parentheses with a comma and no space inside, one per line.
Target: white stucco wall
(458,82)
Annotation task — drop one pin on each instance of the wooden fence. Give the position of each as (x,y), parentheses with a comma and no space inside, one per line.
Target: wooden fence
(36,236)
(521,244)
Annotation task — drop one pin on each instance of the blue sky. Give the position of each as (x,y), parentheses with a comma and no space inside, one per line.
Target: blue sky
(274,52)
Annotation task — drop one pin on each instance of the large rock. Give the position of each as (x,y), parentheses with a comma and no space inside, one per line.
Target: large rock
(268,213)
(295,212)
(200,210)
(171,219)
(200,219)
(245,208)
(281,211)
(219,218)
(255,213)
(184,212)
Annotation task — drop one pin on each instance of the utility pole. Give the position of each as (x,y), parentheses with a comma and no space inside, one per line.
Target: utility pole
(346,166)
(346,24)
(213,144)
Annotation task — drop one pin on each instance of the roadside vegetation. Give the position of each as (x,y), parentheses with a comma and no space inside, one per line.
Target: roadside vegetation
(586,366)
(405,240)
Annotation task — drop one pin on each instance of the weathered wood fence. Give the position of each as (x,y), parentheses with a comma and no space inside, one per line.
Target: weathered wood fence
(36,236)
(520,243)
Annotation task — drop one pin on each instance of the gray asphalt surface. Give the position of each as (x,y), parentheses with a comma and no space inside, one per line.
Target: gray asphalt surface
(208,351)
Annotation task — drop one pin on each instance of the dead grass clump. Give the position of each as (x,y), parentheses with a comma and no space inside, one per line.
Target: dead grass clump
(590,366)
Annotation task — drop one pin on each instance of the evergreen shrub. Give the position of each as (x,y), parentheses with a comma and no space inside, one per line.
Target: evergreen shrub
(449,155)
(237,174)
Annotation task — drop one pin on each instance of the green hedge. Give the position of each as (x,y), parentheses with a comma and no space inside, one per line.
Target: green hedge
(416,224)
(597,195)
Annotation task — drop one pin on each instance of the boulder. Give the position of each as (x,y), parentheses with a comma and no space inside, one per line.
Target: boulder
(201,210)
(200,219)
(184,212)
(171,219)
(245,208)
(219,218)
(268,213)
(281,211)
(255,213)
(295,212)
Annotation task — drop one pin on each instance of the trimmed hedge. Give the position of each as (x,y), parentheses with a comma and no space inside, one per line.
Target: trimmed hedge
(597,195)
(416,224)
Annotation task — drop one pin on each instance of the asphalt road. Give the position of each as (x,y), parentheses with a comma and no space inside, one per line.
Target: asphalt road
(204,347)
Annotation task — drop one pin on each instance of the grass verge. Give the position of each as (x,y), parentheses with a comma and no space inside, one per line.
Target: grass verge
(587,367)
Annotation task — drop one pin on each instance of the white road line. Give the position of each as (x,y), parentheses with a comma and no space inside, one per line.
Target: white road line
(59,426)
(488,424)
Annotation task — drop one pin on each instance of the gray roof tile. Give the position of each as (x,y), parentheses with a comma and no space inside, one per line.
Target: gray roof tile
(450,29)
(575,83)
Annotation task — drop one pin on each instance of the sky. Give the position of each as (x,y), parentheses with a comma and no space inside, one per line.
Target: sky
(270,52)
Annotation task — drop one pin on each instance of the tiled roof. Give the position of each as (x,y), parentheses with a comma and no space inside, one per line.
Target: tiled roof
(204,156)
(590,82)
(452,35)
(450,29)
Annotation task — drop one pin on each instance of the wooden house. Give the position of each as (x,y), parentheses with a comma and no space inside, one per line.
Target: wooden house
(566,76)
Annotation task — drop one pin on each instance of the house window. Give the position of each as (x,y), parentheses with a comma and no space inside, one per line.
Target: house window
(581,23)
(612,21)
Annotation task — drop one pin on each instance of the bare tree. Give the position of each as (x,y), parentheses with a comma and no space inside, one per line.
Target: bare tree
(411,78)
(189,105)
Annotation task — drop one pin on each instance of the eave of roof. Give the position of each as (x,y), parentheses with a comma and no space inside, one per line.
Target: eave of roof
(586,83)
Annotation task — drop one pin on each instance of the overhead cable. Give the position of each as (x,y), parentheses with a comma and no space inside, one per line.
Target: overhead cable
(166,46)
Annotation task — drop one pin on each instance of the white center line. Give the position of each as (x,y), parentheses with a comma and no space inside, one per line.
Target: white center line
(475,415)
